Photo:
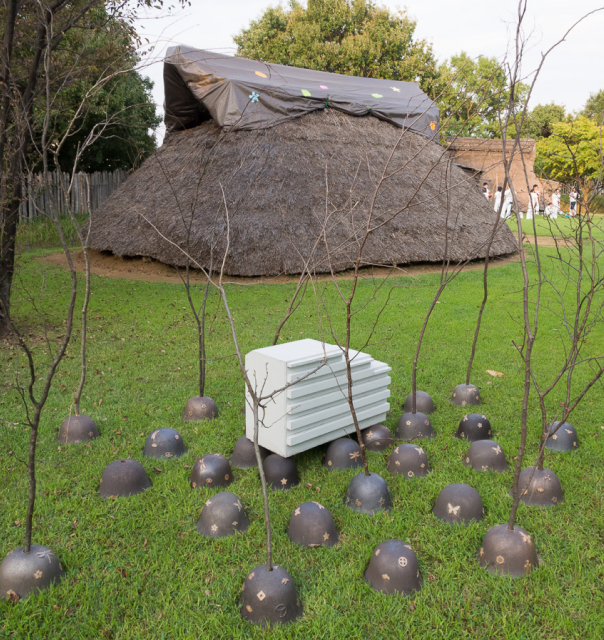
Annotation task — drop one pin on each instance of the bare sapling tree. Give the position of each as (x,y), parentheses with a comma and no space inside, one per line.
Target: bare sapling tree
(449,271)
(393,169)
(41,567)
(21,64)
(507,548)
(531,307)
(348,297)
(34,567)
(257,398)
(258,401)
(79,427)
(485,275)
(200,407)
(575,283)
(447,274)
(511,100)
(505,115)
(34,399)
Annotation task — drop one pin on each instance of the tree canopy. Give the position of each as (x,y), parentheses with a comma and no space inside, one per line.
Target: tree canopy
(541,120)
(357,37)
(474,93)
(95,89)
(351,37)
(573,154)
(594,107)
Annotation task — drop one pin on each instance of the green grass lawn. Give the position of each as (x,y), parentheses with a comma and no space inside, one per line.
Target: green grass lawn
(560,227)
(42,232)
(137,568)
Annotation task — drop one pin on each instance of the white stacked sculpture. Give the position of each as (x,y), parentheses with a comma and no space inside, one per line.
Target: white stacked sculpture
(314,410)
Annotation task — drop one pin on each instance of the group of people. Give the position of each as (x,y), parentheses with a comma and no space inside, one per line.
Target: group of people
(508,200)
(551,210)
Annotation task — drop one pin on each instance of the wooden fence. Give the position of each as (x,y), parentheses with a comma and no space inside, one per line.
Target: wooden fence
(84,194)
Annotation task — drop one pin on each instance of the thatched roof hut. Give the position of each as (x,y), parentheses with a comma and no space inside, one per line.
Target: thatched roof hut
(300,192)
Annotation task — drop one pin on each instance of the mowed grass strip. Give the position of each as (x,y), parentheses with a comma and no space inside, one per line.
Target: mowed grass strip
(137,568)
(562,227)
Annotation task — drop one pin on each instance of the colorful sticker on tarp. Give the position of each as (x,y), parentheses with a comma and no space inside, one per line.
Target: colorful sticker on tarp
(377,95)
(306,93)
(262,75)
(433,125)
(254,96)
(322,86)
(396,89)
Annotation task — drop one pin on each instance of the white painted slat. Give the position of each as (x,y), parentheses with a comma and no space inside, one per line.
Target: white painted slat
(333,367)
(373,384)
(310,387)
(337,411)
(371,414)
(328,437)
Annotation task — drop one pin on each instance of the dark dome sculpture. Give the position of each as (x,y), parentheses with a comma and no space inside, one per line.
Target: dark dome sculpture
(23,573)
(409,460)
(211,471)
(164,443)
(270,596)
(544,490)
(458,504)
(486,455)
(465,394)
(414,426)
(200,408)
(564,439)
(508,552)
(123,478)
(343,453)
(368,494)
(76,429)
(474,426)
(244,456)
(377,438)
(394,568)
(311,525)
(222,515)
(280,473)
(423,403)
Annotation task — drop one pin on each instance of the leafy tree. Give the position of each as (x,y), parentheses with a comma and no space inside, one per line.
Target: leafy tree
(37,39)
(541,119)
(125,103)
(351,37)
(95,87)
(594,107)
(473,94)
(573,154)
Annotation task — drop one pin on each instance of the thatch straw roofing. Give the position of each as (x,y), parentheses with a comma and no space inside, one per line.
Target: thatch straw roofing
(300,191)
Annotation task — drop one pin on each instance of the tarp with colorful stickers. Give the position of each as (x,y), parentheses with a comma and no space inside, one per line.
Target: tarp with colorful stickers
(237,93)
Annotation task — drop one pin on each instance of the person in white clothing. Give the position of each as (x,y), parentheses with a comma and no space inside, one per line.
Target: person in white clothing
(533,205)
(572,197)
(555,208)
(485,190)
(497,199)
(508,200)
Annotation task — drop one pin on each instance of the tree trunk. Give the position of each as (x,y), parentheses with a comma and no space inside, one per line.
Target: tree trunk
(8,233)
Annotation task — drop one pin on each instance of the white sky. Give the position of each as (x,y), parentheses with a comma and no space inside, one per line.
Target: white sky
(573,71)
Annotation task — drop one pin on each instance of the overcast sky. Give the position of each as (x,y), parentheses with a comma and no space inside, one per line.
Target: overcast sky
(573,71)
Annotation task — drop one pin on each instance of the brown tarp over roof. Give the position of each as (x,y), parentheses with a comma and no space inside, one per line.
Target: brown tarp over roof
(237,93)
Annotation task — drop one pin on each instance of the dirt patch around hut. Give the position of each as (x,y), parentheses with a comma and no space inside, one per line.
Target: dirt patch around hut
(547,241)
(111,266)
